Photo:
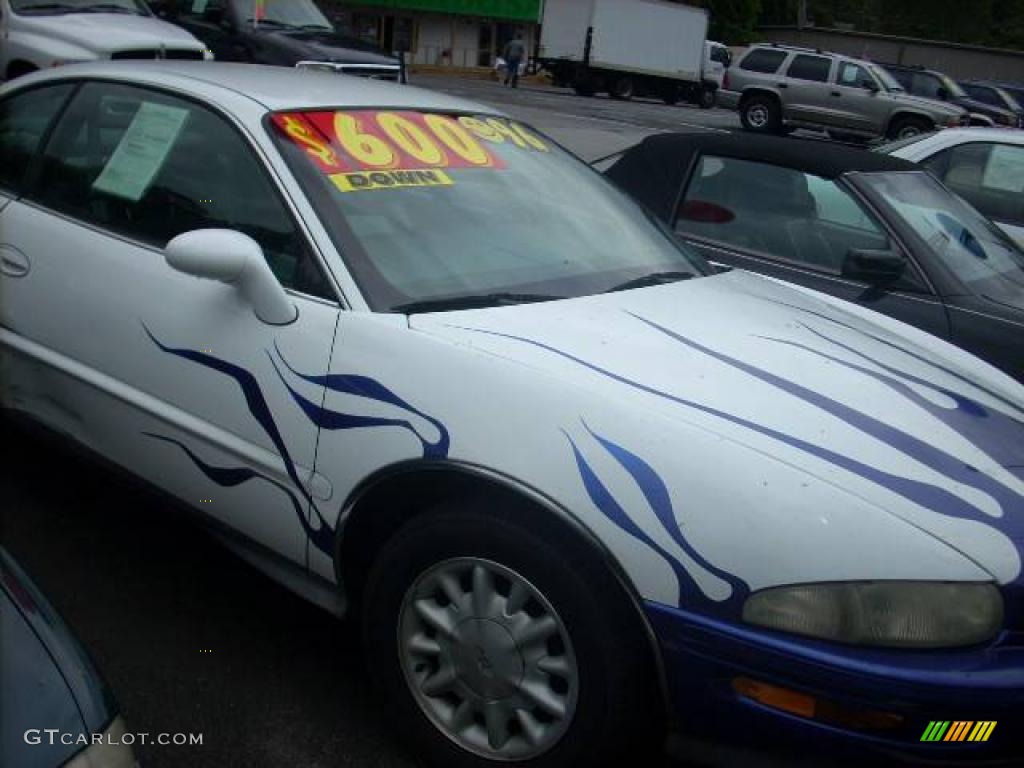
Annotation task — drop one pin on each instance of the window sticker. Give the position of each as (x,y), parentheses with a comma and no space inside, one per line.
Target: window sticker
(369,149)
(141,153)
(1005,169)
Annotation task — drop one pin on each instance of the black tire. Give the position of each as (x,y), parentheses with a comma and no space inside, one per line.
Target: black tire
(706,98)
(907,127)
(583,88)
(623,88)
(613,704)
(761,114)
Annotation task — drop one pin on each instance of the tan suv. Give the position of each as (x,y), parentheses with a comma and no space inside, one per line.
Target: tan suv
(777,88)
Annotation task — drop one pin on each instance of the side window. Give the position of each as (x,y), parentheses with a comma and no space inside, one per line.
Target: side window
(989,176)
(778,212)
(763,60)
(982,94)
(854,76)
(152,166)
(925,85)
(24,119)
(815,68)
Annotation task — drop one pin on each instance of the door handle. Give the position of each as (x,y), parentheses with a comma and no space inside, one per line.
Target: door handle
(13,262)
(783,85)
(836,94)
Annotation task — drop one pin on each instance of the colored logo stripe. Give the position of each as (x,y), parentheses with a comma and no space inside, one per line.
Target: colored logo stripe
(958,730)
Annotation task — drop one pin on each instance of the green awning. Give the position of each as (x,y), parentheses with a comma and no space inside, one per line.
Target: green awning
(518,10)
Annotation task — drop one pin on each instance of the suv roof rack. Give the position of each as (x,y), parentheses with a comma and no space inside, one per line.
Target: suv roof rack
(788,47)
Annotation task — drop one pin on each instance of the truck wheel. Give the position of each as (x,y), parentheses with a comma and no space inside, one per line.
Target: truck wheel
(908,127)
(761,115)
(706,98)
(493,647)
(622,88)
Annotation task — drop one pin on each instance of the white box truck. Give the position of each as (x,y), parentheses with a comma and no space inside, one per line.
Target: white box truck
(626,48)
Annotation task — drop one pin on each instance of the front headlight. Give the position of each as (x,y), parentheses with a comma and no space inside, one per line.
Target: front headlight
(903,614)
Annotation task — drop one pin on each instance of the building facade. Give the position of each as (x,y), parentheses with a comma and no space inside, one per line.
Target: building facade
(457,33)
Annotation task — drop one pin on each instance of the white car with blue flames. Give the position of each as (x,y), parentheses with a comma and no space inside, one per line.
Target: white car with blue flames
(414,360)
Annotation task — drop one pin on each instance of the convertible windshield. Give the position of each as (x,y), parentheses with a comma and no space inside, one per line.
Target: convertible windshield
(302,14)
(971,246)
(43,7)
(446,211)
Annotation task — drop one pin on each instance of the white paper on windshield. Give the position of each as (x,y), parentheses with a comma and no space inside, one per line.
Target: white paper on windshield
(142,151)
(199,6)
(1005,169)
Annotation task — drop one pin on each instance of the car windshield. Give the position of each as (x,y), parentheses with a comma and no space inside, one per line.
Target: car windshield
(302,14)
(888,81)
(43,7)
(442,207)
(971,246)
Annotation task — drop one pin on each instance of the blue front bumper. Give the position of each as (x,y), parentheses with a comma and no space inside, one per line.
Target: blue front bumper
(703,657)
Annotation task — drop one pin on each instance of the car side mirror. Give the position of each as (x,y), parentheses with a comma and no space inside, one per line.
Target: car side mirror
(873,266)
(235,259)
(871,85)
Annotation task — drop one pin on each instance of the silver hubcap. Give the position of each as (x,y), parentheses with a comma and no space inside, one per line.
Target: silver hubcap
(908,132)
(757,116)
(488,659)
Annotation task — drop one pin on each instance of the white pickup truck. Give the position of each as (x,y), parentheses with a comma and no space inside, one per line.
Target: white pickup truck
(39,34)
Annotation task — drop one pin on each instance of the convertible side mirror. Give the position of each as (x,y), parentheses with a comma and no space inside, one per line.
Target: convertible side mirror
(236,259)
(873,266)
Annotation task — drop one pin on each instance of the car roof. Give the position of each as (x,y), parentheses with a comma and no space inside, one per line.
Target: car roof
(952,136)
(275,88)
(654,170)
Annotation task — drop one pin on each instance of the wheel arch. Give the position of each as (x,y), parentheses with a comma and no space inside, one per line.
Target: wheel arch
(388,498)
(750,93)
(903,114)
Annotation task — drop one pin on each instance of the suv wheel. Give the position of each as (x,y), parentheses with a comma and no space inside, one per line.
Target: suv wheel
(908,127)
(492,647)
(761,115)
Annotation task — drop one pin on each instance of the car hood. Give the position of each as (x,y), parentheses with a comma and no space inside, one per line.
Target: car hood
(105,33)
(930,105)
(324,46)
(897,417)
(973,105)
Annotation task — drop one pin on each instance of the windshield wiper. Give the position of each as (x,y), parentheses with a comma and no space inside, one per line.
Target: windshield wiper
(50,7)
(655,278)
(315,28)
(111,8)
(473,301)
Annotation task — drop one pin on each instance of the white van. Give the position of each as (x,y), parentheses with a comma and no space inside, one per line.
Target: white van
(38,34)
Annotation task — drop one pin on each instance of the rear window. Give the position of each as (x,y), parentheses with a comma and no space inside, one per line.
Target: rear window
(763,60)
(427,207)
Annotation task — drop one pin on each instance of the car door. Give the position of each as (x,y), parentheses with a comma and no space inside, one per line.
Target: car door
(990,176)
(171,376)
(211,21)
(800,228)
(856,96)
(806,84)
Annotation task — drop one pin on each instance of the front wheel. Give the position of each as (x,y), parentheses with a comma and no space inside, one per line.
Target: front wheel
(493,646)
(908,128)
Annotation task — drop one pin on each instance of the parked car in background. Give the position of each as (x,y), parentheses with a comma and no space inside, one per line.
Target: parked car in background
(579,487)
(931,84)
(35,34)
(48,681)
(862,226)
(287,33)
(984,167)
(717,58)
(994,95)
(777,88)
(1016,90)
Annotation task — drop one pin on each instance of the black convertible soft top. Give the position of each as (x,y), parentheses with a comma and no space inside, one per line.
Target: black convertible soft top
(653,171)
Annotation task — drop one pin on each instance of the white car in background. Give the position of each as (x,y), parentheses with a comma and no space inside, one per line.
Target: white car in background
(40,34)
(985,166)
(418,362)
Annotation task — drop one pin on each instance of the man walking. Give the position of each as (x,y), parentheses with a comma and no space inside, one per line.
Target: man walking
(513,55)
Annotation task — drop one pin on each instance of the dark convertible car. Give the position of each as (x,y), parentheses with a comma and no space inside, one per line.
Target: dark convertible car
(289,33)
(864,227)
